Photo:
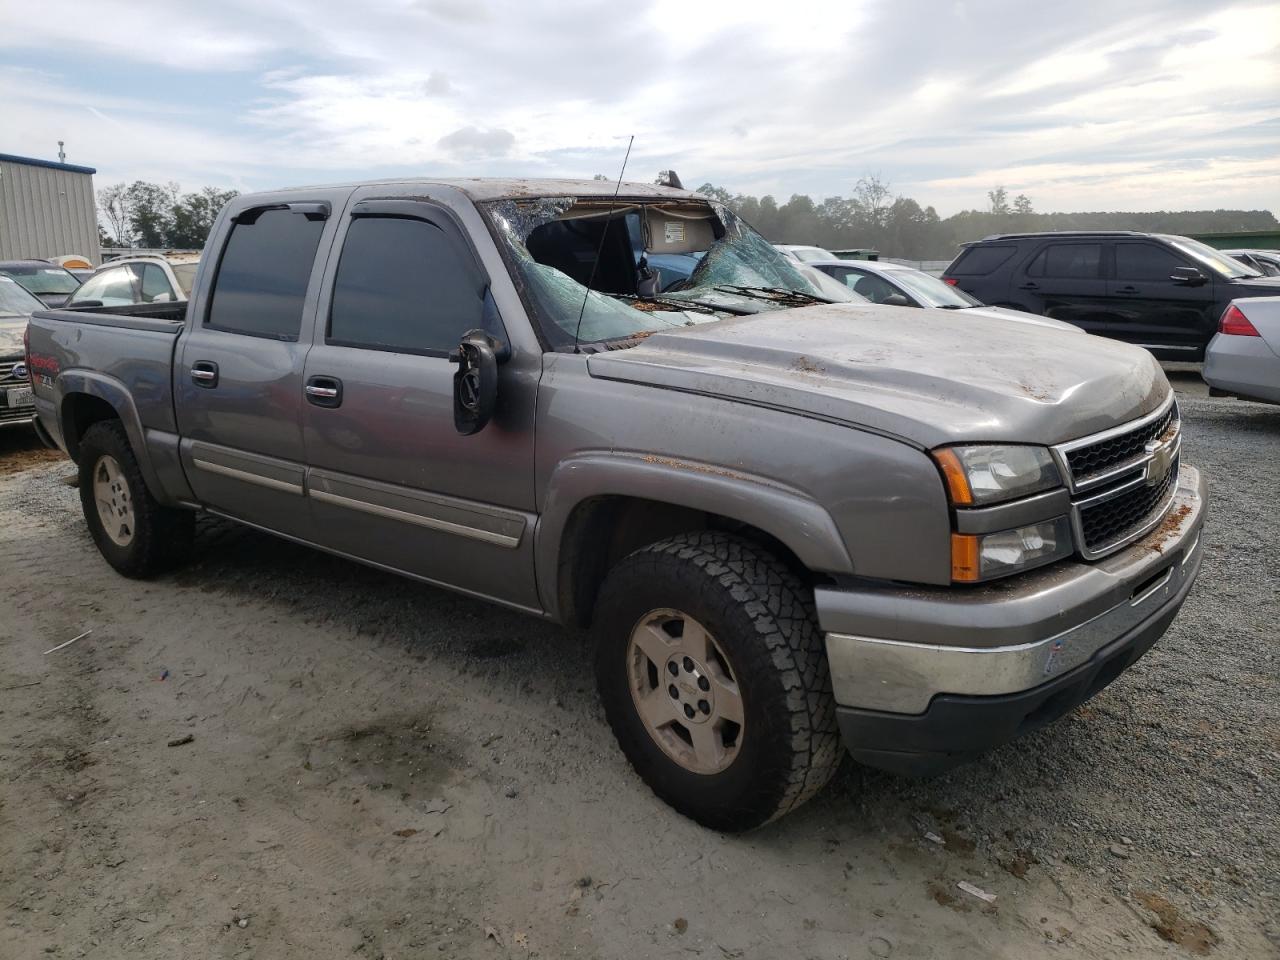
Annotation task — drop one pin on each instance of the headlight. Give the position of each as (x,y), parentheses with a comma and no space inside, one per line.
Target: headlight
(986,556)
(989,473)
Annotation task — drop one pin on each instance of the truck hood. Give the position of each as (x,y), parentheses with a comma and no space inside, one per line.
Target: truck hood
(11,330)
(927,376)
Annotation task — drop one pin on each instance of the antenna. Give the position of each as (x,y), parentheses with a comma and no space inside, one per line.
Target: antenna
(577,331)
(62,156)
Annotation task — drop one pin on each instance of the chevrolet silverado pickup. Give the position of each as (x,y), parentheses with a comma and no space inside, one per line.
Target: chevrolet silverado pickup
(787,522)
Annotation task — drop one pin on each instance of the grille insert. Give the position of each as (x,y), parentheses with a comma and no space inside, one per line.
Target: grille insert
(1115,520)
(1098,458)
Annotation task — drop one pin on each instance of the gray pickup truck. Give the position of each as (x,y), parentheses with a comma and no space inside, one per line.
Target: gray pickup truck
(787,521)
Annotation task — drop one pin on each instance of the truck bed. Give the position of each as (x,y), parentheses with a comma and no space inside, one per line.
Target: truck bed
(122,354)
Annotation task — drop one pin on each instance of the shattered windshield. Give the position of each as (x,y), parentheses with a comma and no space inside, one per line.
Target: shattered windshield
(649,265)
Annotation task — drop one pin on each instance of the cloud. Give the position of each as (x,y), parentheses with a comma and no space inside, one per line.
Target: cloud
(472,143)
(1160,102)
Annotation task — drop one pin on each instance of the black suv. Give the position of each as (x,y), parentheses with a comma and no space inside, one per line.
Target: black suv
(1161,292)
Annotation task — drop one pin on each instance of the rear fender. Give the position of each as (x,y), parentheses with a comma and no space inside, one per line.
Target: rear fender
(92,383)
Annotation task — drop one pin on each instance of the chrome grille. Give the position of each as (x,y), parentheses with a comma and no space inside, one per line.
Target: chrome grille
(6,370)
(1122,480)
(10,414)
(1108,523)
(1098,459)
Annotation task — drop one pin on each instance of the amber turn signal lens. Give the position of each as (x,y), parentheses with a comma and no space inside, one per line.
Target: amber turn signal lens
(965,567)
(957,479)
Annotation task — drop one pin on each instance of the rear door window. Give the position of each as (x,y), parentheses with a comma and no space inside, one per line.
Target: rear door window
(1068,261)
(402,285)
(263,275)
(980,260)
(155,285)
(1145,261)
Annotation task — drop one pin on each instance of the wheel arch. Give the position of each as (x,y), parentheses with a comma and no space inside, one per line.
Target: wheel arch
(599,508)
(89,397)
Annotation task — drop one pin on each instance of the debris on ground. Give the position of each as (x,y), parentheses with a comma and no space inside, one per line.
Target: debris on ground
(978,892)
(181,741)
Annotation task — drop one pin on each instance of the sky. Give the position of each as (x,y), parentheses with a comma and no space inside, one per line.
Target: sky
(1091,105)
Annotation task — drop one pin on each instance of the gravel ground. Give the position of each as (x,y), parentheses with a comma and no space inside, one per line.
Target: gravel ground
(379,769)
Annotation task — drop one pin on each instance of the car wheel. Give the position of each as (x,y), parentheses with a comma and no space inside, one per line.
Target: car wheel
(713,675)
(136,534)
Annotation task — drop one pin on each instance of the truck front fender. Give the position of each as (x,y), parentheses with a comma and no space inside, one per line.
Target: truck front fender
(795,520)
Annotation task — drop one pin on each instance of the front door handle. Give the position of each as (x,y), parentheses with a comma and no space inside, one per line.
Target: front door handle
(324,391)
(1029,286)
(204,373)
(1129,289)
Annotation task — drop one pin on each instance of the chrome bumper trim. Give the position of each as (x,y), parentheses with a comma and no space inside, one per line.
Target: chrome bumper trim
(899,676)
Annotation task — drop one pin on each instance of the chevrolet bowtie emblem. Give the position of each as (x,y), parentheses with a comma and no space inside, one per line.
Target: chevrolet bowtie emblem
(1161,460)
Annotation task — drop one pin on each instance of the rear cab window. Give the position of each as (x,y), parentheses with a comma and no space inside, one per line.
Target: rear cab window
(980,260)
(262,277)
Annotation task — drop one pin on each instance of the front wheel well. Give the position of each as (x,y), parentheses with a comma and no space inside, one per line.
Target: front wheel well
(603,530)
(80,411)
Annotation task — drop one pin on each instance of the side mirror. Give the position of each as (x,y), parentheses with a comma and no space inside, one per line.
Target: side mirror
(86,303)
(475,385)
(895,300)
(1188,276)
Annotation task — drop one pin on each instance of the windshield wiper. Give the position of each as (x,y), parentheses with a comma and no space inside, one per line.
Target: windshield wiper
(772,293)
(673,304)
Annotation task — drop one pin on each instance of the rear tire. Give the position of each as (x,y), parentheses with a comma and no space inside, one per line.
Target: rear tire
(135,534)
(727,618)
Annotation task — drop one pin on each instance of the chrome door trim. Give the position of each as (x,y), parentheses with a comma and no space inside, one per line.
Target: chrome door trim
(431,523)
(463,518)
(247,477)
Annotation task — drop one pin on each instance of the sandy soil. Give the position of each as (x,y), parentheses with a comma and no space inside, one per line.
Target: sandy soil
(278,754)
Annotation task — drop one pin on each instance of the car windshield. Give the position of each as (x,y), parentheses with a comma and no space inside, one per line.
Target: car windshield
(931,291)
(15,301)
(43,280)
(811,254)
(1215,260)
(628,252)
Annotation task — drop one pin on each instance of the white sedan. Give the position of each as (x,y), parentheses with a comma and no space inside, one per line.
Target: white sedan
(895,285)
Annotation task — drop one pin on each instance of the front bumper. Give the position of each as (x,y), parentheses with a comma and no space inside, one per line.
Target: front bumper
(928,677)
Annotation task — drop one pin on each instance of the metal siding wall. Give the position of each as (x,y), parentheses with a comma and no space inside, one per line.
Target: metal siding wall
(46,213)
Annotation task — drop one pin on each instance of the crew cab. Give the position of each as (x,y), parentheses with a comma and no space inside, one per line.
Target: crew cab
(787,521)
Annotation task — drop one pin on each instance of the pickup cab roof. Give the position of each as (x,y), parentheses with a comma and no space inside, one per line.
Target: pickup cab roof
(515,188)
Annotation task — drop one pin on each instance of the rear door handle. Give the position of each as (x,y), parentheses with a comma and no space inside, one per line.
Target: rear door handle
(324,391)
(1129,289)
(1029,286)
(204,373)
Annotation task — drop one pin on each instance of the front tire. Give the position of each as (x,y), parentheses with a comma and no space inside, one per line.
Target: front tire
(135,534)
(713,675)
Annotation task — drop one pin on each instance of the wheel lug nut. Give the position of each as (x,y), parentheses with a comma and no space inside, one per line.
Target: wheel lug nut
(675,694)
(704,707)
(704,684)
(672,668)
(688,711)
(688,665)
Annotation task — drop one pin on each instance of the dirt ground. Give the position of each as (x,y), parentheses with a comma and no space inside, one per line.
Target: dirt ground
(278,754)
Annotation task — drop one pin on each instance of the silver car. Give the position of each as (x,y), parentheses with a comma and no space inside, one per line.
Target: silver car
(894,285)
(1243,357)
(16,307)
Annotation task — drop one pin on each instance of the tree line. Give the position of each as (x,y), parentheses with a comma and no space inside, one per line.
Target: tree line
(155,215)
(143,214)
(872,216)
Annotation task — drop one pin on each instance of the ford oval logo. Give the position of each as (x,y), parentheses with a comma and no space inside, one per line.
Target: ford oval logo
(19,371)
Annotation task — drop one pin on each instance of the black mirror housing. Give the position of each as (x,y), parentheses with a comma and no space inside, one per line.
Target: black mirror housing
(475,385)
(1188,276)
(895,300)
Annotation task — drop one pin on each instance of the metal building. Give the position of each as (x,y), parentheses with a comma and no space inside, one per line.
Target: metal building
(47,209)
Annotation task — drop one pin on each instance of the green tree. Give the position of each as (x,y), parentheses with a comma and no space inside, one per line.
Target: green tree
(151,211)
(113,204)
(192,217)
(1022,204)
(999,198)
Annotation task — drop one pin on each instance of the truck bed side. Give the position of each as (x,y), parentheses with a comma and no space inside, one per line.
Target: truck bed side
(93,364)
